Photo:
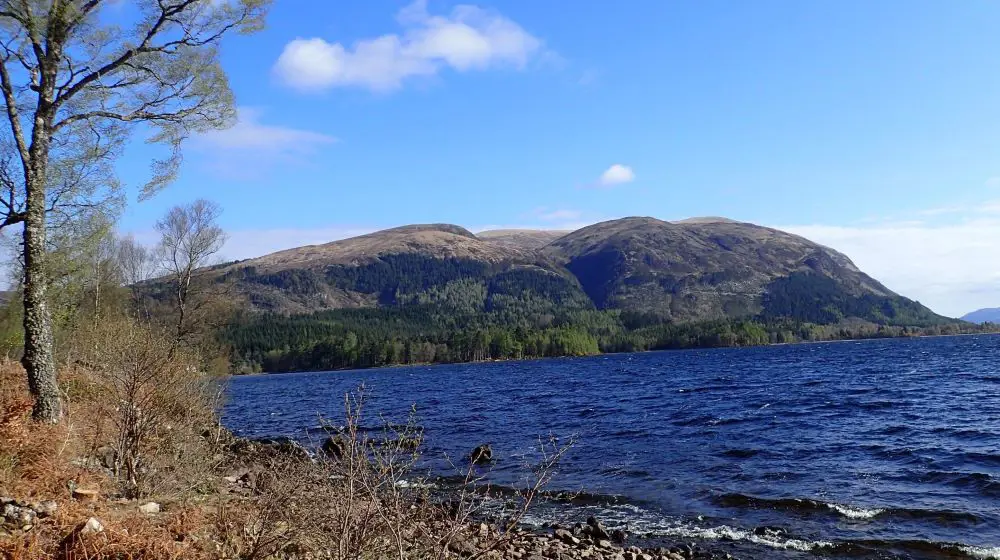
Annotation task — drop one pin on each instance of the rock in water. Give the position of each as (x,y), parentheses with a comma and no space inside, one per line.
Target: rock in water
(481,455)
(566,537)
(287,447)
(597,530)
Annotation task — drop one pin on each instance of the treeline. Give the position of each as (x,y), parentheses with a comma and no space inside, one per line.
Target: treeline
(432,310)
(423,334)
(813,298)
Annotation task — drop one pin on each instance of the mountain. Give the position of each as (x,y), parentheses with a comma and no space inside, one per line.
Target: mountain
(690,270)
(358,272)
(708,268)
(439,293)
(986,315)
(443,241)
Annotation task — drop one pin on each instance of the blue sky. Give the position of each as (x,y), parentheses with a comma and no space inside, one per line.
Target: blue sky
(873,127)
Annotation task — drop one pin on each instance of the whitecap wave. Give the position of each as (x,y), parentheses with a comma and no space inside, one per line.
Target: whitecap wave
(403,483)
(855,512)
(725,532)
(983,552)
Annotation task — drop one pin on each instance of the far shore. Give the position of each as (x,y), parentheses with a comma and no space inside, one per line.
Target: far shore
(546,358)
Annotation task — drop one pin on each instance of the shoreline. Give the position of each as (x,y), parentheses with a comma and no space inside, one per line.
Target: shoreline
(547,358)
(485,533)
(580,534)
(878,521)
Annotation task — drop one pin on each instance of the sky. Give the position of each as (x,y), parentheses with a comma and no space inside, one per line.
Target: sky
(870,127)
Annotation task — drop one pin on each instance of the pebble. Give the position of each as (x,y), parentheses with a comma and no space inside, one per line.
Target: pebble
(92,527)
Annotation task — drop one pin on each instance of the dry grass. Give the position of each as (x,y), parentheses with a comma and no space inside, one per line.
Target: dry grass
(47,462)
(286,505)
(33,458)
(152,403)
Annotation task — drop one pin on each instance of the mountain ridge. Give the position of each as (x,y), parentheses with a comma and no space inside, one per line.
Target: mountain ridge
(687,270)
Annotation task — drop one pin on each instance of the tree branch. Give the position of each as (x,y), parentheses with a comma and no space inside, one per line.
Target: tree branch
(13,115)
(165,14)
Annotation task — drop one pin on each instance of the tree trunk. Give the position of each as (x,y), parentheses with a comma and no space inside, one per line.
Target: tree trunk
(38,360)
(181,309)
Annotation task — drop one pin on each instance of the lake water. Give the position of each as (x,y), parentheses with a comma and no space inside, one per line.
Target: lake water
(871,449)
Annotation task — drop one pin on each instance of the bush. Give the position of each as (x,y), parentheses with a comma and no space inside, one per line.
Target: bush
(154,403)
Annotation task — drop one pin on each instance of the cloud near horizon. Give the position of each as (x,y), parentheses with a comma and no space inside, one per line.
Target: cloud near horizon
(953,268)
(469,38)
(556,214)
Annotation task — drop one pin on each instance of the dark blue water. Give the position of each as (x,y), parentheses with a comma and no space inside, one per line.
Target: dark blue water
(875,449)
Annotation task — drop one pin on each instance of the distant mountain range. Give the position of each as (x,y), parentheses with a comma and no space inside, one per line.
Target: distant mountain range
(692,270)
(986,315)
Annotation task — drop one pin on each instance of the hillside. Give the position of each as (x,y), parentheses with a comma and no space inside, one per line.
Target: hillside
(696,269)
(367,270)
(443,241)
(715,268)
(980,316)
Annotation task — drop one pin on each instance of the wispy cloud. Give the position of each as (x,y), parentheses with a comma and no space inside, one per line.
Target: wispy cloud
(556,215)
(469,38)
(250,147)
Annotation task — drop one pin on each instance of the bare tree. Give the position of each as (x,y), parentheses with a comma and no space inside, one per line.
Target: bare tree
(189,238)
(75,82)
(136,264)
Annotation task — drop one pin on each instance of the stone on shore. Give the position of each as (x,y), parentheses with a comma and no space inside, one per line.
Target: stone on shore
(86,495)
(150,508)
(335,447)
(91,527)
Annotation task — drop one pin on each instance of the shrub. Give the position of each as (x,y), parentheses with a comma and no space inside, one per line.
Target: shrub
(154,403)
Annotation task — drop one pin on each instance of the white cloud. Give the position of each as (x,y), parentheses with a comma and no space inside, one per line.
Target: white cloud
(250,147)
(953,268)
(470,38)
(617,174)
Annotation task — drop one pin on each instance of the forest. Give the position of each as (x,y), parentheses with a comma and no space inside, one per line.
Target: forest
(460,312)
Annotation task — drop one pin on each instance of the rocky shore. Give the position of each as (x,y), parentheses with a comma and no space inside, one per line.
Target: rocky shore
(282,494)
(584,541)
(481,537)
